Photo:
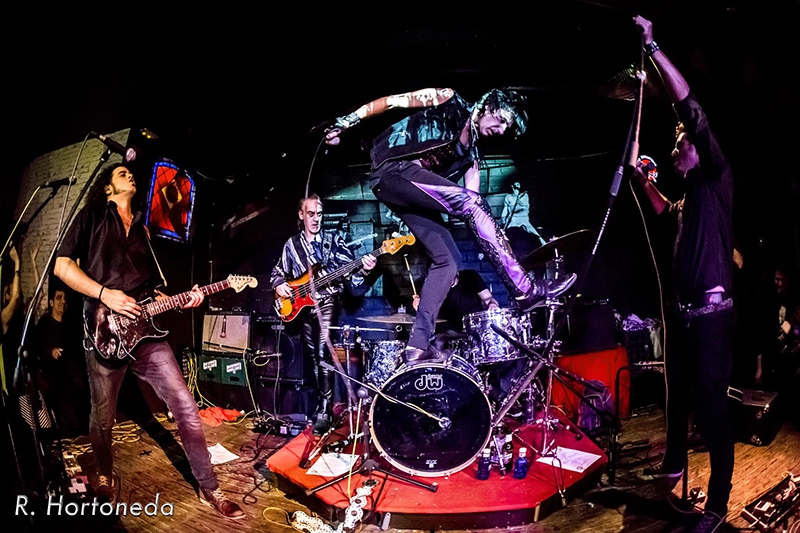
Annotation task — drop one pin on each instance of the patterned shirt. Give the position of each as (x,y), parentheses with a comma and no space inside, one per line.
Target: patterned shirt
(327,249)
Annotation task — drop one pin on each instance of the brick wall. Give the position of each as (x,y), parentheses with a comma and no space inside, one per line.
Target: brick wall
(41,235)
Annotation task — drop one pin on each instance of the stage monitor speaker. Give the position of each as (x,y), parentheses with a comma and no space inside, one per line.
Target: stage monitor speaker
(226,331)
(589,327)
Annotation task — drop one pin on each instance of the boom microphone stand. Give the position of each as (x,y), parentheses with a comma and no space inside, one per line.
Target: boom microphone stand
(21,228)
(24,375)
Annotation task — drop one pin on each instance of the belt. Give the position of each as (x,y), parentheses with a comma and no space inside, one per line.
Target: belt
(710,303)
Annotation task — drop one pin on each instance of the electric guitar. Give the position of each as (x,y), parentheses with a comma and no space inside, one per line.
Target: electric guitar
(302,294)
(114,336)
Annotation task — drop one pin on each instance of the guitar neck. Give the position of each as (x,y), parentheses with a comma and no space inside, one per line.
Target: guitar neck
(179,300)
(345,270)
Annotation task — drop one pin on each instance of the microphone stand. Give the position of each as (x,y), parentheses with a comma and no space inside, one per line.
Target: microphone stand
(21,228)
(629,155)
(24,369)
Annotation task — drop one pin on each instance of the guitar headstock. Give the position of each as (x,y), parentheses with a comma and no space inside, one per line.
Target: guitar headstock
(239,283)
(390,246)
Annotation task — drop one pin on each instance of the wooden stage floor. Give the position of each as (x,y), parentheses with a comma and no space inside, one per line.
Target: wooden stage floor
(628,505)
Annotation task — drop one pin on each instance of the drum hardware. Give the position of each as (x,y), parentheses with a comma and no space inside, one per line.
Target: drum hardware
(369,464)
(378,391)
(438,445)
(399,318)
(484,346)
(577,241)
(554,370)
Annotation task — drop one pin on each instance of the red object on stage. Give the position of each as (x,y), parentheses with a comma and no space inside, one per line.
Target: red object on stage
(460,499)
(602,365)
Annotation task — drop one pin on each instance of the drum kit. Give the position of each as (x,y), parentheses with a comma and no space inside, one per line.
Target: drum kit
(434,419)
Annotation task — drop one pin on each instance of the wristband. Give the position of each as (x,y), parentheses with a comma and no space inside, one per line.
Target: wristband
(16,272)
(651,48)
(347,121)
(100,296)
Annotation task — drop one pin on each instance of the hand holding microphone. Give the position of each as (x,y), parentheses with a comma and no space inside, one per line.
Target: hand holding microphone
(647,167)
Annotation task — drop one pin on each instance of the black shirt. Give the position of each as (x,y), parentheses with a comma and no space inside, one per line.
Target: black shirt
(463,299)
(704,246)
(98,242)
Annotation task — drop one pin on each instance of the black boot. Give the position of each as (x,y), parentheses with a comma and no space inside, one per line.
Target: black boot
(415,356)
(323,417)
(542,289)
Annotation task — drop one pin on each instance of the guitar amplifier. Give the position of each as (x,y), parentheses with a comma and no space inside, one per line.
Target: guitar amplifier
(226,331)
(280,356)
(756,420)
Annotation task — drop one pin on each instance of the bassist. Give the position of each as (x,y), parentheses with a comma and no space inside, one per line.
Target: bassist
(105,254)
(313,246)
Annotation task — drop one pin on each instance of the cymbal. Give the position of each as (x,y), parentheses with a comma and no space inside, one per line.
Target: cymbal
(576,242)
(397,318)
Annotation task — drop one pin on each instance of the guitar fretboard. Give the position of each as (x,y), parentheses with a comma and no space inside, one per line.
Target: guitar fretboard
(179,300)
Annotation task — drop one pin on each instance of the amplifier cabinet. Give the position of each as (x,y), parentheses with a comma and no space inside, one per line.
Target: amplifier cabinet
(226,331)
(755,418)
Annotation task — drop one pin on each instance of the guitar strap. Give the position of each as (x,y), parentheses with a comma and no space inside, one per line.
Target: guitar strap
(327,246)
(155,259)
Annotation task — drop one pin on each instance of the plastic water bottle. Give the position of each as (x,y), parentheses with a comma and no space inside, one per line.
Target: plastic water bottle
(484,464)
(522,464)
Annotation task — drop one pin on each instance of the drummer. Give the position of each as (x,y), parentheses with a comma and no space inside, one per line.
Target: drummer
(468,294)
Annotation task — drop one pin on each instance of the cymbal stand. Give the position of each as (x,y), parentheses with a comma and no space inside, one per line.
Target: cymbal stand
(546,421)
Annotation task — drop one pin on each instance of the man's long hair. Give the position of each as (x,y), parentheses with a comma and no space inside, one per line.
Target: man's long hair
(507,100)
(97,198)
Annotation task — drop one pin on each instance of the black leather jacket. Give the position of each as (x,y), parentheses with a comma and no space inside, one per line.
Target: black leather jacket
(424,131)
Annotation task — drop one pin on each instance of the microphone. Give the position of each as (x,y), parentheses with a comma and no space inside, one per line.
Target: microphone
(649,166)
(55,184)
(128,154)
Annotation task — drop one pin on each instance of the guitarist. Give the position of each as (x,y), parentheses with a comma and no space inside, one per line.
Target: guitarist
(312,246)
(106,255)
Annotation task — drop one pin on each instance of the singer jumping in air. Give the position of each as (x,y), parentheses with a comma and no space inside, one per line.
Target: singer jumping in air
(416,164)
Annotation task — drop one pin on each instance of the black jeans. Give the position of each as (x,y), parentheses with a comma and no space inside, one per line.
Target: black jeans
(155,363)
(700,361)
(315,334)
(419,197)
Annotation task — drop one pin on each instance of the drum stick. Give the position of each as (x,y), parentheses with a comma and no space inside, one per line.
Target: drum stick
(413,287)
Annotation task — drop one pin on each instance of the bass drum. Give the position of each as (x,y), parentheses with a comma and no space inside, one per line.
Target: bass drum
(419,444)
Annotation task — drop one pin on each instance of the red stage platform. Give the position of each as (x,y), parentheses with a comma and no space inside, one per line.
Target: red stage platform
(461,501)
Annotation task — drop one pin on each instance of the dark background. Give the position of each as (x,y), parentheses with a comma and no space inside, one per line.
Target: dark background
(240,96)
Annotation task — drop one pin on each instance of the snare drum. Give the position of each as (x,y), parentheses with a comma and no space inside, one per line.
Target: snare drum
(487,346)
(383,359)
(457,430)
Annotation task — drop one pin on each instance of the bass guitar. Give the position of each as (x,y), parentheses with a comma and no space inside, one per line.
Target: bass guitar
(302,293)
(115,336)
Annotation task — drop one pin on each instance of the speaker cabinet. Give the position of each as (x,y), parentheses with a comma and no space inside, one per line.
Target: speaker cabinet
(285,360)
(226,332)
